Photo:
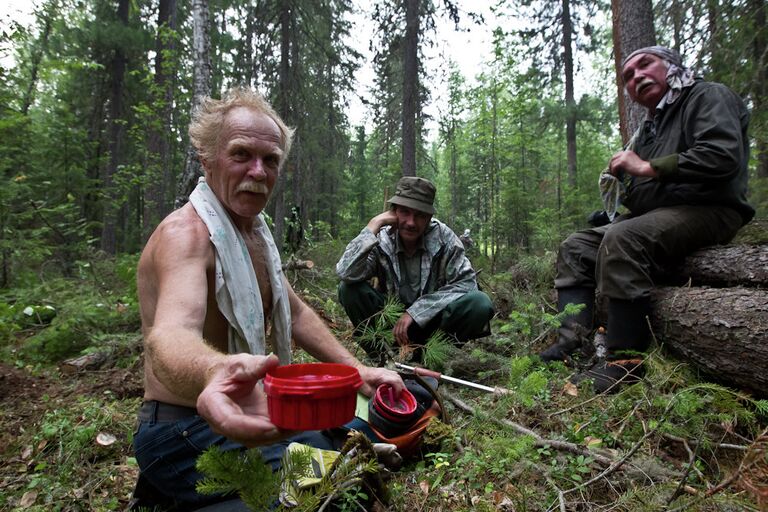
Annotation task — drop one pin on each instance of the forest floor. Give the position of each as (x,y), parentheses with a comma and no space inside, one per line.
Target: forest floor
(36,410)
(51,419)
(673,443)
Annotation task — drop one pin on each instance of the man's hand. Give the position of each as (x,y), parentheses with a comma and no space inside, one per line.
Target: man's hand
(374,377)
(629,162)
(400,331)
(388,218)
(235,406)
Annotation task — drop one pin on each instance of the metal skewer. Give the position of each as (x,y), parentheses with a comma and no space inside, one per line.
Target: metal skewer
(439,376)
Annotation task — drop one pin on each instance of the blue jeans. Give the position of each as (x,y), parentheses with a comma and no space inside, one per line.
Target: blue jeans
(166,452)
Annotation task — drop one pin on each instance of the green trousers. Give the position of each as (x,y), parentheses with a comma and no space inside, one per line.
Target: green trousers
(464,319)
(621,259)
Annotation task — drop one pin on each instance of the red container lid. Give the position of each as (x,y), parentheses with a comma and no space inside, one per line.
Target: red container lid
(394,408)
(312,380)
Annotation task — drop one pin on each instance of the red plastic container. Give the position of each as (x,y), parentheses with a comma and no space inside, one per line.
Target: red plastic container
(312,396)
(394,409)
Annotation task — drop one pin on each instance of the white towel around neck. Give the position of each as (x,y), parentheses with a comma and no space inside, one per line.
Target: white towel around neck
(237,289)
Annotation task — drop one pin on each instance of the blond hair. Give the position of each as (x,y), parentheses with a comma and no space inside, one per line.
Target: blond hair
(208,121)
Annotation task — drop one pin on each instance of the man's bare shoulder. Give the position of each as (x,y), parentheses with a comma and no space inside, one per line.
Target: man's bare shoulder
(180,236)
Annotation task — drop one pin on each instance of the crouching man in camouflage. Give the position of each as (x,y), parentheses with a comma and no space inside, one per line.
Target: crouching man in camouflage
(420,261)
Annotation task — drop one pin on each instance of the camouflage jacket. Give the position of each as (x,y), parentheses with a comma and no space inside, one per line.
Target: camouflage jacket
(446,273)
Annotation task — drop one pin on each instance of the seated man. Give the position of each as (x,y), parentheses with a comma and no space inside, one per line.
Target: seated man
(685,182)
(420,261)
(209,284)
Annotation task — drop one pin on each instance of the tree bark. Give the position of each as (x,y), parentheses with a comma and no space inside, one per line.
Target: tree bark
(116,136)
(201,43)
(410,85)
(159,178)
(722,266)
(722,331)
(760,83)
(284,108)
(39,52)
(632,29)
(570,102)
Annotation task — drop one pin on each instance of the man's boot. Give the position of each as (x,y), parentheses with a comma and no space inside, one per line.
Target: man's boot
(574,327)
(628,337)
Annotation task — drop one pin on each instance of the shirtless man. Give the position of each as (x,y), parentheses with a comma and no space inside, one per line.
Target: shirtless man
(204,350)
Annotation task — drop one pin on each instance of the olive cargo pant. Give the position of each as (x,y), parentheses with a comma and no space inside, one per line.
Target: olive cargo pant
(620,259)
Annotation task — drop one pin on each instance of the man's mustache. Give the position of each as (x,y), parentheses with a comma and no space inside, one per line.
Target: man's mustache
(645,82)
(255,187)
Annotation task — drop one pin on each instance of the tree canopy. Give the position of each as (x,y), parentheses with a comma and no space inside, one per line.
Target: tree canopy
(105,88)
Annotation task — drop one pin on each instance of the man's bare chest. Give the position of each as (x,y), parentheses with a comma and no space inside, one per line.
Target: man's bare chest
(216,325)
(259,253)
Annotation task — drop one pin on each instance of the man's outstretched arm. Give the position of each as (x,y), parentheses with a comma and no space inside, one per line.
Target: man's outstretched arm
(311,333)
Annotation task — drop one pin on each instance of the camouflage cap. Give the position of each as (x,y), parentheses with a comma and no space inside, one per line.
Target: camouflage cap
(416,193)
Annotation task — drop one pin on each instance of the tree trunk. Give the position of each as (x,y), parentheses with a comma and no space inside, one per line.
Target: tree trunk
(159,176)
(37,56)
(201,43)
(116,135)
(570,102)
(729,265)
(632,29)
(722,331)
(677,24)
(453,171)
(714,44)
(494,172)
(410,85)
(284,109)
(246,54)
(760,85)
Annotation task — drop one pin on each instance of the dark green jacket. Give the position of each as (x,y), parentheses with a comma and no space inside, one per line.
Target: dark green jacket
(698,145)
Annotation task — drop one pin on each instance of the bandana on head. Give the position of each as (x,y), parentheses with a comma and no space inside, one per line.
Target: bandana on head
(668,54)
(678,76)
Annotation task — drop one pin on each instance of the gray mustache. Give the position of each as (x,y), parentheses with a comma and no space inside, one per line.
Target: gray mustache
(645,82)
(253,187)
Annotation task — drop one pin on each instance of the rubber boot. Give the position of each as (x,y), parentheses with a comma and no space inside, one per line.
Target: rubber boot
(574,327)
(628,337)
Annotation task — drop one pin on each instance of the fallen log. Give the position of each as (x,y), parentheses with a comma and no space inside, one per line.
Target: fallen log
(722,331)
(106,357)
(293,264)
(92,361)
(721,266)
